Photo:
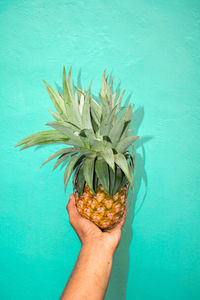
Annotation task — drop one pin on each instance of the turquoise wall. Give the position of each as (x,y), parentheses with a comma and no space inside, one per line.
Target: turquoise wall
(152,49)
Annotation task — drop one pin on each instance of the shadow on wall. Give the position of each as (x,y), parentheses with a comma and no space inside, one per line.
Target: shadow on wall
(119,276)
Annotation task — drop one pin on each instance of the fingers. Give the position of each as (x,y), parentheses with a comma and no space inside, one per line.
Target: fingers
(81,225)
(72,211)
(84,227)
(121,223)
(70,203)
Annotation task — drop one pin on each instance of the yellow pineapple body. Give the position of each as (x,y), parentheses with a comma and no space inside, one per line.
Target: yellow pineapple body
(97,135)
(100,208)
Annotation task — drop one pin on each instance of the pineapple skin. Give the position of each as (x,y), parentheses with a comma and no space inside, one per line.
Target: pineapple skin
(100,208)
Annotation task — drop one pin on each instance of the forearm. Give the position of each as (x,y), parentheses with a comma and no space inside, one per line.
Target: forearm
(91,274)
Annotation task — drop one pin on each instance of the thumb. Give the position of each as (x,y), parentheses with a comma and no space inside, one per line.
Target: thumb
(72,210)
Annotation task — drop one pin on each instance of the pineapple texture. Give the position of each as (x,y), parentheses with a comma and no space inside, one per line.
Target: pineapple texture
(100,208)
(97,148)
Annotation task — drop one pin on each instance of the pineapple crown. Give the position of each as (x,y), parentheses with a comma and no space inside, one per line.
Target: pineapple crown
(98,137)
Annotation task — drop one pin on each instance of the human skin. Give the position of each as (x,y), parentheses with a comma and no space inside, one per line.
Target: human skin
(89,279)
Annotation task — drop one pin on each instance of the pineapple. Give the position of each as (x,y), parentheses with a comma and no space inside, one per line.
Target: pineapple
(96,151)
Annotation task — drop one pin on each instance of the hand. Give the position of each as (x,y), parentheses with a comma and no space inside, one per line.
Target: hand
(89,233)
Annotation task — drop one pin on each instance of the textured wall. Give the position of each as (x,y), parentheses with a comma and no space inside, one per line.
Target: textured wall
(152,49)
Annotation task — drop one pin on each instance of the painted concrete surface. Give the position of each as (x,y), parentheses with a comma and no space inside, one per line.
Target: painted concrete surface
(152,49)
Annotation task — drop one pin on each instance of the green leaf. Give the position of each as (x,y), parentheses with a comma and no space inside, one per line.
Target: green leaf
(108,143)
(76,103)
(68,129)
(107,122)
(70,168)
(107,139)
(113,99)
(118,179)
(118,102)
(57,100)
(63,157)
(108,156)
(96,108)
(66,93)
(56,116)
(126,142)
(125,131)
(133,152)
(104,85)
(106,102)
(69,81)
(86,118)
(88,171)
(124,182)
(96,145)
(131,169)
(95,122)
(127,115)
(80,181)
(43,138)
(111,181)
(71,107)
(120,98)
(121,161)
(116,132)
(82,97)
(131,163)
(101,169)
(87,133)
(60,152)
(74,182)
(105,112)
(120,130)
(109,91)
(74,97)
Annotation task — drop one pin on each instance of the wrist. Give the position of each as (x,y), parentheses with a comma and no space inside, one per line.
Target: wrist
(98,248)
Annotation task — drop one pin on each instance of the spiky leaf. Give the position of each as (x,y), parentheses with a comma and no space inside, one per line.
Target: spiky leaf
(68,129)
(104,85)
(80,181)
(69,82)
(127,115)
(70,168)
(107,122)
(118,179)
(121,161)
(60,152)
(71,107)
(82,97)
(120,98)
(108,156)
(96,108)
(116,132)
(57,100)
(64,157)
(126,142)
(111,181)
(88,171)
(56,116)
(43,138)
(86,118)
(101,169)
